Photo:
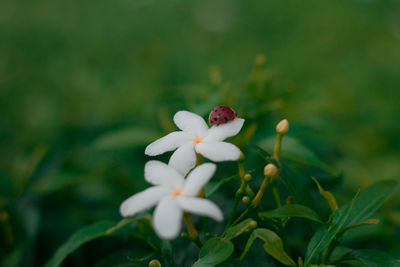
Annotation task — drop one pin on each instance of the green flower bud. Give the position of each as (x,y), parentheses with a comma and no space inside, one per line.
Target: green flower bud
(253,224)
(282,127)
(154,263)
(247,177)
(270,170)
(246,200)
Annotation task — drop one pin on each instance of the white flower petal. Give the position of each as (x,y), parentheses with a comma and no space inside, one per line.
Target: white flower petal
(225,130)
(159,173)
(201,206)
(198,178)
(167,218)
(142,201)
(190,122)
(218,151)
(167,143)
(184,158)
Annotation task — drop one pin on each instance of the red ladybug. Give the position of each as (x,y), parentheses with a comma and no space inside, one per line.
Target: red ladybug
(221,114)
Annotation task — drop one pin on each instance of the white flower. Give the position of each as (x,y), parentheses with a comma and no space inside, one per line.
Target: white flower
(196,137)
(172,194)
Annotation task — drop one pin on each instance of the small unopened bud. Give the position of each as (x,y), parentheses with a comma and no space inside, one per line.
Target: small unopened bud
(215,75)
(282,127)
(184,235)
(154,263)
(253,224)
(260,60)
(289,200)
(270,170)
(246,200)
(247,177)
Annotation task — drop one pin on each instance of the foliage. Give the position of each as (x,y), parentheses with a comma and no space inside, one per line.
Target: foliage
(85,86)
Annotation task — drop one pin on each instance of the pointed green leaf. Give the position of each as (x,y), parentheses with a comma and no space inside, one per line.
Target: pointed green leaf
(373,258)
(295,150)
(272,244)
(296,186)
(370,200)
(236,230)
(330,198)
(293,210)
(126,138)
(212,187)
(84,235)
(327,233)
(215,251)
(364,223)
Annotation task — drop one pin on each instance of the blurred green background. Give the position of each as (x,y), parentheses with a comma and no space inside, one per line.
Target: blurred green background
(85,85)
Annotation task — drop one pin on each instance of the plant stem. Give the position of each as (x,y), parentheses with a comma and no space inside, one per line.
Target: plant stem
(233,212)
(193,234)
(199,159)
(250,208)
(241,170)
(277,147)
(202,194)
(275,191)
(260,192)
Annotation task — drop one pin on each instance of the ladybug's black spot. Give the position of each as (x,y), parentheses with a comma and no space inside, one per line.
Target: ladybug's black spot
(226,118)
(215,119)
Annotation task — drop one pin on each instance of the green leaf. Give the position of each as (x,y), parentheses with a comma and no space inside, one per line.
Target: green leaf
(370,200)
(13,258)
(364,223)
(52,183)
(373,258)
(84,235)
(293,210)
(215,251)
(296,186)
(212,187)
(294,150)
(238,229)
(126,138)
(330,198)
(272,244)
(327,233)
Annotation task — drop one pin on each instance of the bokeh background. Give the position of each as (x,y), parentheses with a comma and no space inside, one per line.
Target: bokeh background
(85,85)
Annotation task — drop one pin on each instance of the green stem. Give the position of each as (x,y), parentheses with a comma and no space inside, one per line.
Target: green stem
(193,234)
(250,208)
(235,205)
(277,147)
(260,192)
(275,191)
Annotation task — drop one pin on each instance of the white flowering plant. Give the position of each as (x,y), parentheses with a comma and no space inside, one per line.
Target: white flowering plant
(183,190)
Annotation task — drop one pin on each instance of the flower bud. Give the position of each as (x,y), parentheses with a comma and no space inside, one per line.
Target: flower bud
(184,235)
(247,177)
(282,127)
(289,200)
(270,170)
(253,224)
(154,263)
(246,200)
(260,60)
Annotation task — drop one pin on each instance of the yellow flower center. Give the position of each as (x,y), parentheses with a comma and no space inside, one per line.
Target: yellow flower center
(198,140)
(176,192)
